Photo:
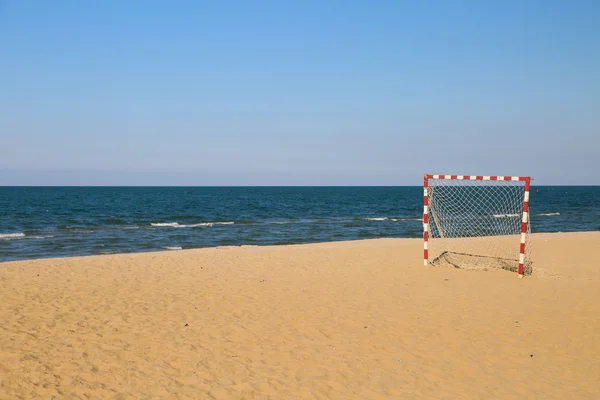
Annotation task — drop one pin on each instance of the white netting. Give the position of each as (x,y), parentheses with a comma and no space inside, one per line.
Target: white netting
(475,224)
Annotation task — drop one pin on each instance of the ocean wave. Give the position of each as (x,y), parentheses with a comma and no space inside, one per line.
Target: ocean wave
(173,247)
(207,224)
(394,219)
(549,214)
(30,234)
(11,235)
(165,224)
(345,221)
(505,215)
(129,227)
(178,225)
(77,229)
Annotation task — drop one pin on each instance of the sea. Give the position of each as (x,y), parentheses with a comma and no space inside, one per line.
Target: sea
(47,222)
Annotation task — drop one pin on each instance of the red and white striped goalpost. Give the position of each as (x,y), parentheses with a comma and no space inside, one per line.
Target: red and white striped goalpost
(524,216)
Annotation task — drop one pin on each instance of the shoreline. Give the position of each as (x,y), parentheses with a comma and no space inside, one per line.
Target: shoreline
(223,247)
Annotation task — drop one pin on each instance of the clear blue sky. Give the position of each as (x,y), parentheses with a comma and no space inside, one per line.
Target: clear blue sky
(297,92)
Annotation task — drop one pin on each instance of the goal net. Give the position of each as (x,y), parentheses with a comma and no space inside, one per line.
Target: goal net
(477,222)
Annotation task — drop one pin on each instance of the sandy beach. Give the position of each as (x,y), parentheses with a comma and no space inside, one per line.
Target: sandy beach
(348,320)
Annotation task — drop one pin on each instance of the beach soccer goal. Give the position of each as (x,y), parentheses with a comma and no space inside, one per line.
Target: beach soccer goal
(477,222)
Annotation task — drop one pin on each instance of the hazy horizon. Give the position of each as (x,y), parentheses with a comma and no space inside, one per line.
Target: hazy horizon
(106,180)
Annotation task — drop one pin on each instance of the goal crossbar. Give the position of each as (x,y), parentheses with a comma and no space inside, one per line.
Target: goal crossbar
(451,223)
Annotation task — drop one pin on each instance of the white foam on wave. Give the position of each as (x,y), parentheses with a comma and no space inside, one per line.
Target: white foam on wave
(391,219)
(166,224)
(178,225)
(174,248)
(505,215)
(11,235)
(549,214)
(209,224)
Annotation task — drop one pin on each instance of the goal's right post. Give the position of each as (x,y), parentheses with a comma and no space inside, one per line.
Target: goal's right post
(524,226)
(477,222)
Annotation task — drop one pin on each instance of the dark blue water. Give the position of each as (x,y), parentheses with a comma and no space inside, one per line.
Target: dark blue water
(57,222)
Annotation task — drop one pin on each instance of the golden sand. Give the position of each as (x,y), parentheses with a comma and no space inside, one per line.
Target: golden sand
(352,320)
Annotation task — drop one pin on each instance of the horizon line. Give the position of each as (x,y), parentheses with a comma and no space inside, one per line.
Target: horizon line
(244,186)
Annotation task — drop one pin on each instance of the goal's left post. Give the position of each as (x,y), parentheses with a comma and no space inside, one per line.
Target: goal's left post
(425,219)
